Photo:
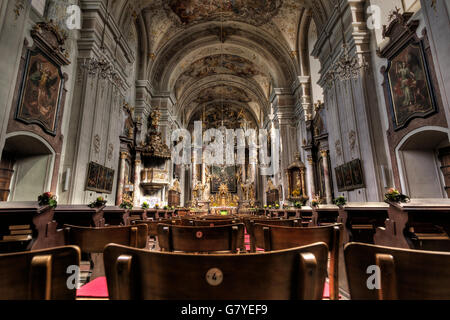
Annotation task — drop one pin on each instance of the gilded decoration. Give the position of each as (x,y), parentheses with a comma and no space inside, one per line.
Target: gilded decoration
(154,146)
(295,175)
(224,198)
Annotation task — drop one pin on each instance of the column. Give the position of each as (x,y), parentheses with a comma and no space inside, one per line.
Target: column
(121,185)
(302,181)
(310,171)
(137,182)
(326,175)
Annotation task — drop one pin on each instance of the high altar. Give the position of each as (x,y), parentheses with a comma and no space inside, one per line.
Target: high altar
(224,201)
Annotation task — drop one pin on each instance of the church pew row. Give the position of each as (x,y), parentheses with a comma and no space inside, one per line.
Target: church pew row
(301,274)
(275,237)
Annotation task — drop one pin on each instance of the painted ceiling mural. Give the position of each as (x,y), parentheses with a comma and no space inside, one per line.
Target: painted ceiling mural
(218,65)
(257,12)
(223,93)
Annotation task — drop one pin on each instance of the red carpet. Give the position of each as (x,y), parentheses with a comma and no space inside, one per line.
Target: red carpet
(99,289)
(94,289)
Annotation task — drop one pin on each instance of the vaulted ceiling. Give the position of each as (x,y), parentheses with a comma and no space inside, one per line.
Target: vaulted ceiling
(201,50)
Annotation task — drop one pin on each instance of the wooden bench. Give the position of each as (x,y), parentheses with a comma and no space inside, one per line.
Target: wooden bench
(38,275)
(79,215)
(292,274)
(92,241)
(422,224)
(249,224)
(201,239)
(324,215)
(270,237)
(24,226)
(404,274)
(115,216)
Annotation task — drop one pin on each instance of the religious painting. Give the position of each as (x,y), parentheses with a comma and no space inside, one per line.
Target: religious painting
(410,89)
(250,11)
(40,92)
(93,172)
(225,175)
(357,174)
(347,174)
(340,179)
(99,178)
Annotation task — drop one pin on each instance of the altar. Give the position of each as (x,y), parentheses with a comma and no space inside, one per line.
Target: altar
(224,203)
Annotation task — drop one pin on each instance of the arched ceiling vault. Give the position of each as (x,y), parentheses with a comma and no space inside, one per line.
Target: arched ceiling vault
(179,41)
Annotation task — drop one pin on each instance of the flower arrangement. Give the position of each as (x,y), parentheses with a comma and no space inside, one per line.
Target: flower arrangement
(316,201)
(270,207)
(173,208)
(156,206)
(340,201)
(166,207)
(298,205)
(99,202)
(396,196)
(303,200)
(277,206)
(48,199)
(126,205)
(145,205)
(265,206)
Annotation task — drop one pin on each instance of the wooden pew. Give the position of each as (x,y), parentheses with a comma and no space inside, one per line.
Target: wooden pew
(404,274)
(137,214)
(361,220)
(92,241)
(323,215)
(38,275)
(250,223)
(115,216)
(306,216)
(291,274)
(272,238)
(201,239)
(79,215)
(422,224)
(24,226)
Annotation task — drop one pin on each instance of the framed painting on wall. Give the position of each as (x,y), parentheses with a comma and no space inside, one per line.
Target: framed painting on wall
(357,174)
(40,92)
(340,179)
(409,86)
(99,178)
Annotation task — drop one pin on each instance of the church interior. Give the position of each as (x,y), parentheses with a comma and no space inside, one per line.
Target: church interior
(150,147)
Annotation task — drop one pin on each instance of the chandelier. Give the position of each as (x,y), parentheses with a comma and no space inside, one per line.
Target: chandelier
(102,66)
(348,66)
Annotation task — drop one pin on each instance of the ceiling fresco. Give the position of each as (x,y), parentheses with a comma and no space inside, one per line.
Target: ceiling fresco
(219,65)
(256,12)
(222,93)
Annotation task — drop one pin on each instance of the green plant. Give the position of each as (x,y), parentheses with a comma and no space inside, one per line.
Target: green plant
(298,205)
(156,206)
(396,196)
(316,201)
(126,205)
(145,205)
(99,202)
(166,207)
(277,206)
(340,201)
(48,199)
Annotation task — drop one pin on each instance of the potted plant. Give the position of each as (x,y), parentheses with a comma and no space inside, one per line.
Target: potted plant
(166,207)
(126,205)
(303,200)
(340,201)
(393,195)
(48,199)
(277,206)
(156,206)
(298,205)
(99,202)
(145,206)
(265,206)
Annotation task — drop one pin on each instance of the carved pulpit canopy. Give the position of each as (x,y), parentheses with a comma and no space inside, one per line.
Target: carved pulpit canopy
(154,146)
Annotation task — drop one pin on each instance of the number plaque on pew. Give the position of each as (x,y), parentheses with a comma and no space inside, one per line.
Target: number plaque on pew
(422,224)
(361,219)
(23,226)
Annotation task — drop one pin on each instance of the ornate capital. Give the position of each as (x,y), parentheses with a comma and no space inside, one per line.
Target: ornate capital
(124,155)
(324,153)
